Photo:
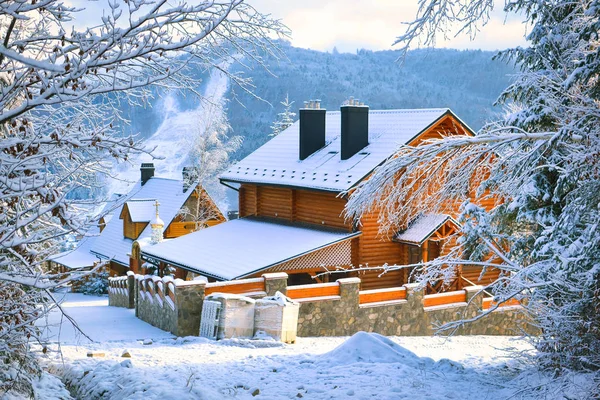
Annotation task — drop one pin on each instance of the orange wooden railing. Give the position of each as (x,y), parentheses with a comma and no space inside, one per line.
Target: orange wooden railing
(431,300)
(316,290)
(488,303)
(171,291)
(377,295)
(242,286)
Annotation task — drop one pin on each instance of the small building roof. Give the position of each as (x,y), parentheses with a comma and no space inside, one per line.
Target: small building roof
(111,244)
(277,161)
(80,257)
(242,247)
(141,210)
(422,228)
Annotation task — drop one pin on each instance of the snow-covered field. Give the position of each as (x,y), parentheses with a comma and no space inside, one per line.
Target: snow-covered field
(365,366)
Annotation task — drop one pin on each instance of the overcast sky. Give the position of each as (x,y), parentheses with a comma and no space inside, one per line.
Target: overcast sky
(374,24)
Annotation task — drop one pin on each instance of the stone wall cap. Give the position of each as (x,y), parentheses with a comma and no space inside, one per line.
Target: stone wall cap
(347,281)
(412,286)
(275,275)
(183,283)
(471,289)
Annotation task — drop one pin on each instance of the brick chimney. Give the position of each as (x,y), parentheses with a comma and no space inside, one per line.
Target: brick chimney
(355,128)
(312,128)
(147,172)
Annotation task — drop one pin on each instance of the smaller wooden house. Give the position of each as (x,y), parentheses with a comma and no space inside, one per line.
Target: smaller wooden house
(292,194)
(184,207)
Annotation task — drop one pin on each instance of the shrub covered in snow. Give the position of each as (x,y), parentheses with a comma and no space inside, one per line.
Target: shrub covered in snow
(96,283)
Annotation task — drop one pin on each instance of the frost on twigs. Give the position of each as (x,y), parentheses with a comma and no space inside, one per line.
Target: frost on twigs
(60,93)
(526,189)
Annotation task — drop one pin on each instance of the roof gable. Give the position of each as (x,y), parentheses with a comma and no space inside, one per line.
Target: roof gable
(423,227)
(277,161)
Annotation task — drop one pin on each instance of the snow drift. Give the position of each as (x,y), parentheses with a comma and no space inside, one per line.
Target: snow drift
(371,348)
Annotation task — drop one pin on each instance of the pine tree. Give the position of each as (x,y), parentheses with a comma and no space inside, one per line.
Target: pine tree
(284,119)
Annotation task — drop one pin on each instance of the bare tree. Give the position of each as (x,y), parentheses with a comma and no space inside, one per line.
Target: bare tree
(540,166)
(209,154)
(60,96)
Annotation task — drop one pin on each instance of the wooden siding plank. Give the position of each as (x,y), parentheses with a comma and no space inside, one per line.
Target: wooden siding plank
(445,298)
(236,287)
(316,290)
(378,295)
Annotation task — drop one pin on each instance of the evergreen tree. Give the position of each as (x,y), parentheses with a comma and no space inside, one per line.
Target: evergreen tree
(284,119)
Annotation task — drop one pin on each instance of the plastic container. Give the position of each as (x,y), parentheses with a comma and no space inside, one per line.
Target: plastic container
(277,317)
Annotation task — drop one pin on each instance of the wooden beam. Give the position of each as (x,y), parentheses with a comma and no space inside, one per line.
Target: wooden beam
(425,251)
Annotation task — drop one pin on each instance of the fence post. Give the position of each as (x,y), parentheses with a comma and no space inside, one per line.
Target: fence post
(189,298)
(130,289)
(275,282)
(136,290)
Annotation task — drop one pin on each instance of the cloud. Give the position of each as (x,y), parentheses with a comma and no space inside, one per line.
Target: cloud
(352,24)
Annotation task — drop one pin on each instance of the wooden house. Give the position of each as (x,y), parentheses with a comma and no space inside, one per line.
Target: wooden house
(292,194)
(126,230)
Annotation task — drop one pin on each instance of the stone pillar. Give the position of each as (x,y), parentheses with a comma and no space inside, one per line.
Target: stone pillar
(130,289)
(349,288)
(474,300)
(415,321)
(275,282)
(346,312)
(189,297)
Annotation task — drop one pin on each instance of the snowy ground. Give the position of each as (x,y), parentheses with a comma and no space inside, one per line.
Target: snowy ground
(365,366)
(90,314)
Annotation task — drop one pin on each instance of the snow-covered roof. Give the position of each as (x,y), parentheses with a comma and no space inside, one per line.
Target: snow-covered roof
(79,257)
(422,228)
(277,161)
(111,244)
(142,210)
(243,246)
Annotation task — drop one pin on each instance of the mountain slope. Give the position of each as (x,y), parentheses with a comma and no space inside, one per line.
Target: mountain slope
(468,82)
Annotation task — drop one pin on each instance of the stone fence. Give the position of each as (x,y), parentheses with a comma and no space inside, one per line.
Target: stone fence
(332,309)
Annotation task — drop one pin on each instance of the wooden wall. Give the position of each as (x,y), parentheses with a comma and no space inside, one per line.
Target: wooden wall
(132,230)
(297,205)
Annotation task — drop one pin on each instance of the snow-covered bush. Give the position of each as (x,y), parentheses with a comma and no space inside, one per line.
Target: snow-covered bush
(541,166)
(95,283)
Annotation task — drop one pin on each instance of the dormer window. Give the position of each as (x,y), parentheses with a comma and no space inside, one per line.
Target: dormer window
(136,214)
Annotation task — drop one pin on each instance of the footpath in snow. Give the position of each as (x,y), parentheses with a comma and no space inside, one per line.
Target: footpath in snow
(364,366)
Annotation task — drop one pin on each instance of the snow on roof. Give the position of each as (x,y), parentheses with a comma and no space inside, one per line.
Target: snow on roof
(422,228)
(79,257)
(277,161)
(243,246)
(111,244)
(142,210)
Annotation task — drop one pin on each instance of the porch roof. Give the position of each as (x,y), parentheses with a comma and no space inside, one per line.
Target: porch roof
(423,227)
(242,247)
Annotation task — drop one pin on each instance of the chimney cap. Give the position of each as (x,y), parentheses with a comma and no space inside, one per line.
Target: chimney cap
(313,104)
(352,102)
